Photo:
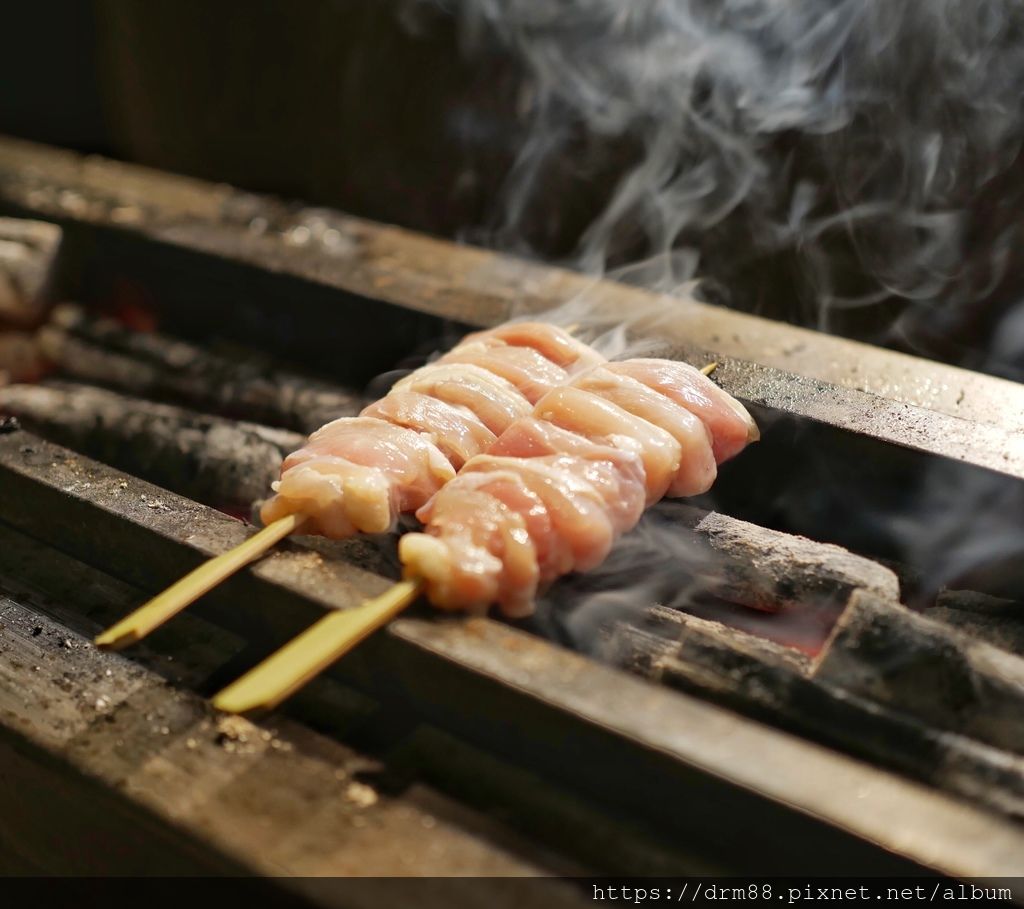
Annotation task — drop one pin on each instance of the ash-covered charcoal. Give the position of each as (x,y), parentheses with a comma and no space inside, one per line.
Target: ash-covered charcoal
(709,658)
(28,256)
(246,386)
(772,683)
(774,585)
(9,425)
(714,636)
(216,461)
(769,570)
(886,654)
(998,621)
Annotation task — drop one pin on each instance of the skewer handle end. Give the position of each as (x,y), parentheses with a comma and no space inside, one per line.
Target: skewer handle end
(306,656)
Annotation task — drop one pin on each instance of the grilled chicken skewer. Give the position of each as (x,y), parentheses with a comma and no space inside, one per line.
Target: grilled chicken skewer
(557,488)
(561,481)
(358,474)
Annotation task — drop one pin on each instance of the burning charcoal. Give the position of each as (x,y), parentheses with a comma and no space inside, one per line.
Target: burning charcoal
(218,461)
(695,635)
(995,620)
(28,253)
(769,570)
(709,658)
(772,683)
(156,366)
(887,654)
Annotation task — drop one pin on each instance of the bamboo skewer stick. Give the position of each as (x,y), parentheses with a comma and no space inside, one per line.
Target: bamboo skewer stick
(190,588)
(306,656)
(309,654)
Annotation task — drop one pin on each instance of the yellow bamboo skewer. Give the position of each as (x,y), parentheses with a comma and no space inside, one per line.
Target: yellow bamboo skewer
(306,656)
(190,588)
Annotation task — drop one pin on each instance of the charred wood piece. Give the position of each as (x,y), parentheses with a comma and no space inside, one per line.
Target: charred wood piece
(28,256)
(993,619)
(771,683)
(771,571)
(708,657)
(211,459)
(887,654)
(711,659)
(152,365)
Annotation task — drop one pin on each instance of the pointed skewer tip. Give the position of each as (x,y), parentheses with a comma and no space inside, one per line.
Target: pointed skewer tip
(178,596)
(112,639)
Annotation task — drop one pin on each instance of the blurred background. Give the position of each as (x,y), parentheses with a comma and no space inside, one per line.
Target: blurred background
(849,166)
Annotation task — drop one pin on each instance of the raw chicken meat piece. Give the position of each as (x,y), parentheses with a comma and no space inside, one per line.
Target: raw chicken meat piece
(554,343)
(360,474)
(599,420)
(731,427)
(569,479)
(495,400)
(529,371)
(697,468)
(455,430)
(356,474)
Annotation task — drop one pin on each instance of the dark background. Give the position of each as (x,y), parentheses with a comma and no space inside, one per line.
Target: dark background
(364,106)
(380,109)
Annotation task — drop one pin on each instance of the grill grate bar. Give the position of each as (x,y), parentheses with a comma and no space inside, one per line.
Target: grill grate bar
(515,694)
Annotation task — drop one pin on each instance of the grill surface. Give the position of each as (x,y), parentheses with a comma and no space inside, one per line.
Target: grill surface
(560,745)
(528,701)
(854,427)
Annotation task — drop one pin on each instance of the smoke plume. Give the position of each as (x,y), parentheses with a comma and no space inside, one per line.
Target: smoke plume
(808,157)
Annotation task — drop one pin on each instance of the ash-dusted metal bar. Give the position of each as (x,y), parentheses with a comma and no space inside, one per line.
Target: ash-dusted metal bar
(982,444)
(902,399)
(692,768)
(114,767)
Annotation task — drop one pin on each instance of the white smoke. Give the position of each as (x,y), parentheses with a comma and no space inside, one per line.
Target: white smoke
(836,146)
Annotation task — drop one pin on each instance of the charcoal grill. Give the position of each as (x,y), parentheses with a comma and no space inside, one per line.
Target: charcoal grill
(468,746)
